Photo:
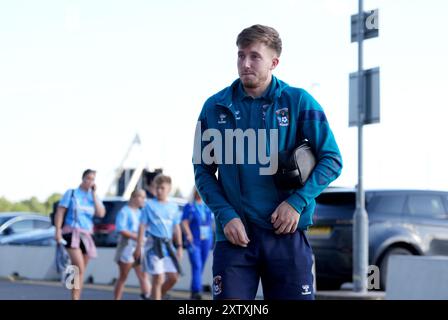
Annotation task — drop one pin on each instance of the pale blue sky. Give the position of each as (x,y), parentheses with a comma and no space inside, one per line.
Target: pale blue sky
(78,79)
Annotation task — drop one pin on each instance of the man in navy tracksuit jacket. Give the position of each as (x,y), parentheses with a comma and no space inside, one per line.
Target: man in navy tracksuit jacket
(260,227)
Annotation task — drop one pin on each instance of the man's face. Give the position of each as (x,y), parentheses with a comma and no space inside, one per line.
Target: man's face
(255,64)
(162,191)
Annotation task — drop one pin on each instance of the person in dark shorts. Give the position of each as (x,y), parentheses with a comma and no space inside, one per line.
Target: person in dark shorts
(74,224)
(260,225)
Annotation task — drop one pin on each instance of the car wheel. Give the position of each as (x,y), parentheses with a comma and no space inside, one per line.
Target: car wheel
(385,261)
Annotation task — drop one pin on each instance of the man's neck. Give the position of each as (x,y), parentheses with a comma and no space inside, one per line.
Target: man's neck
(258,91)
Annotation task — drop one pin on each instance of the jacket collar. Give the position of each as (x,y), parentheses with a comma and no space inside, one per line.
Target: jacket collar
(225,97)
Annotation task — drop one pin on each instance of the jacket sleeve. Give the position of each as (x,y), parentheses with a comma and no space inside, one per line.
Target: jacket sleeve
(313,125)
(205,178)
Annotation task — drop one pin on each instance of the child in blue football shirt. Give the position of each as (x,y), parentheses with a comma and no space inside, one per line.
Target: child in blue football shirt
(127,222)
(160,222)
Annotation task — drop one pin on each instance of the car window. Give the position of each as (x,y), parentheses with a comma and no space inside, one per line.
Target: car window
(21,226)
(112,209)
(387,203)
(426,206)
(39,242)
(39,224)
(3,220)
(340,199)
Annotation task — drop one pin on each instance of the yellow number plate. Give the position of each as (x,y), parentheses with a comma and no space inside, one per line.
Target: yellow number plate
(319,231)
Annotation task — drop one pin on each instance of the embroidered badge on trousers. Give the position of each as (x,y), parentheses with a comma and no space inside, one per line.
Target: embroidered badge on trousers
(217,285)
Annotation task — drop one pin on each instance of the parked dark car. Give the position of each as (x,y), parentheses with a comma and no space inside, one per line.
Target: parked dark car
(401,222)
(104,232)
(25,228)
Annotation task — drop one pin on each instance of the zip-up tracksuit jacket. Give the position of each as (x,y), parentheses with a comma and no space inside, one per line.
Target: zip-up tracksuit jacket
(305,119)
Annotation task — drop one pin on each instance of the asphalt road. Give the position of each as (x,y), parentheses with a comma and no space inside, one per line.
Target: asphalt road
(47,290)
(11,289)
(18,290)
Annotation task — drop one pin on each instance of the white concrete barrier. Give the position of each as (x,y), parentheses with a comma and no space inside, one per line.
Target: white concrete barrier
(37,263)
(417,278)
(29,262)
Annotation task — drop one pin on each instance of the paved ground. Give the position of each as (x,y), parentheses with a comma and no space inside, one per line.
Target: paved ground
(13,289)
(47,290)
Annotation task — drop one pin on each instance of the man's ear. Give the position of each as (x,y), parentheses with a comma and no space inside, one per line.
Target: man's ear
(275,62)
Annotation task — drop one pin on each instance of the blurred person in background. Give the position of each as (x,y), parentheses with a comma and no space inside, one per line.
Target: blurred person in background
(160,222)
(74,224)
(197,222)
(127,223)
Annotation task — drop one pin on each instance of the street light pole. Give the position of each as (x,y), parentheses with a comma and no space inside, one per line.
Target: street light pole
(360,218)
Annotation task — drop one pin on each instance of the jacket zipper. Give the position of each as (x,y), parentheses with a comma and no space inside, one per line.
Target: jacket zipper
(240,212)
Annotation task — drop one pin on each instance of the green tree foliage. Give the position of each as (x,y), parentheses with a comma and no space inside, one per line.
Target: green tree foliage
(30,205)
(51,200)
(5,204)
(177,193)
(34,205)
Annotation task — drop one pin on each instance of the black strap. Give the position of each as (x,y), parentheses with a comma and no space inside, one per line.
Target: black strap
(69,206)
(157,249)
(75,212)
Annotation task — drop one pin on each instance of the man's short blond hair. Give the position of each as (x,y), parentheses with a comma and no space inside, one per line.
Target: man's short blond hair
(259,33)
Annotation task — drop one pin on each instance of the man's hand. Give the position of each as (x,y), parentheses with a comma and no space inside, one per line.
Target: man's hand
(285,219)
(236,233)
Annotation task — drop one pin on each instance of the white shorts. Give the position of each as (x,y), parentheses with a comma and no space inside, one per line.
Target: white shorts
(125,255)
(160,265)
(125,250)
